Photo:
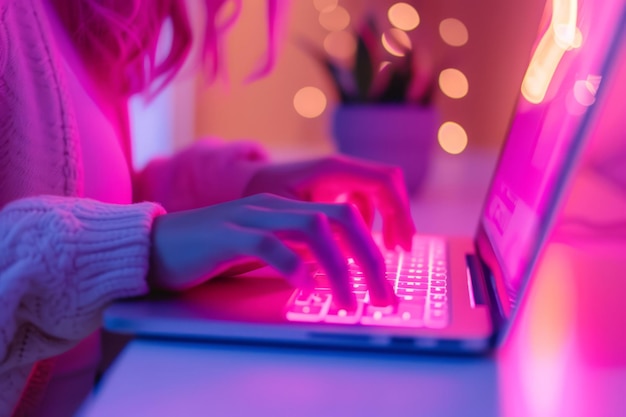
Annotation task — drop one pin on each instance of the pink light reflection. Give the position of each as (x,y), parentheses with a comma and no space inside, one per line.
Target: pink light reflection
(566,355)
(540,364)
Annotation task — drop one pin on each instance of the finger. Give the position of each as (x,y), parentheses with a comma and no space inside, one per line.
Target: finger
(360,200)
(313,229)
(390,236)
(364,205)
(386,185)
(272,251)
(397,220)
(357,237)
(243,267)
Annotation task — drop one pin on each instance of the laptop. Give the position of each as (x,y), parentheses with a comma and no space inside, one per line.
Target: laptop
(456,295)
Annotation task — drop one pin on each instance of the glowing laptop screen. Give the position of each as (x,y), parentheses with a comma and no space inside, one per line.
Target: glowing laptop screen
(559,88)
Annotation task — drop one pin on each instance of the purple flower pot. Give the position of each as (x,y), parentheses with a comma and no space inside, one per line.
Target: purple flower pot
(400,135)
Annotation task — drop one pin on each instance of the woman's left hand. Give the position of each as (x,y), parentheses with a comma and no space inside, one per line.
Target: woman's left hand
(369,186)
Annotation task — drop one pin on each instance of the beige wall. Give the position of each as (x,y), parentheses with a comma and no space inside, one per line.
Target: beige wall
(500,37)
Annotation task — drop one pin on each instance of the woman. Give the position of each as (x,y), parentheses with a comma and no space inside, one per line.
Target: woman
(79,228)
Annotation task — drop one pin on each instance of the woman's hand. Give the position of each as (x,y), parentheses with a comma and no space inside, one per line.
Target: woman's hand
(367,185)
(190,247)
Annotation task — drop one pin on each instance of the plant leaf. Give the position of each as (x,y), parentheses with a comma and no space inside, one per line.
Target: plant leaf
(363,69)
(344,85)
(397,87)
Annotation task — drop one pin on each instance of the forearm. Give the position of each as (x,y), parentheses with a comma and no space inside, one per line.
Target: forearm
(62,261)
(207,173)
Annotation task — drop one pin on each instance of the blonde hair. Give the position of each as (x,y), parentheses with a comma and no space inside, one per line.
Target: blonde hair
(118,39)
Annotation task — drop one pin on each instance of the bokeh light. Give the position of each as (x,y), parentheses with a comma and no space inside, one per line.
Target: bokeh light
(396,41)
(453,32)
(309,102)
(325,5)
(541,69)
(584,93)
(403,16)
(453,83)
(340,45)
(563,22)
(452,137)
(335,19)
(543,64)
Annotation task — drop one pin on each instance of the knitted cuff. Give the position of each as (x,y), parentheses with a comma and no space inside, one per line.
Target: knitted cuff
(112,250)
(78,255)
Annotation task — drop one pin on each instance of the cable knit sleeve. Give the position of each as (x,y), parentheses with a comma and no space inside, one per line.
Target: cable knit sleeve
(206,173)
(62,260)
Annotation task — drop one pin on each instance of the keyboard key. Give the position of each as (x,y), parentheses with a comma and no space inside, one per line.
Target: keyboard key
(415,299)
(412,291)
(304,298)
(341,315)
(417,276)
(361,296)
(419,279)
(412,315)
(380,316)
(413,284)
(305,313)
(357,287)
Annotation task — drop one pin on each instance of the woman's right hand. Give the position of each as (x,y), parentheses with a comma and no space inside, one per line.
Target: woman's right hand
(190,247)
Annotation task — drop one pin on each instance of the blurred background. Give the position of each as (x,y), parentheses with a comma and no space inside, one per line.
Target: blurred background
(475,53)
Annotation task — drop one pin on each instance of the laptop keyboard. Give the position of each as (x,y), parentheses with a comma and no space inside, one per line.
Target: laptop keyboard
(419,279)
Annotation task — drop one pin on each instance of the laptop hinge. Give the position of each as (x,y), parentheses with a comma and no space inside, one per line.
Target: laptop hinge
(483,284)
(477,278)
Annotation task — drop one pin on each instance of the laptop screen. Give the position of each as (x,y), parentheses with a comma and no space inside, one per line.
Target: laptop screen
(564,74)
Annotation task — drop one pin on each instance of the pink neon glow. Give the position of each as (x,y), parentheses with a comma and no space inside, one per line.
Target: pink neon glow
(534,379)
(538,144)
(415,276)
(564,14)
(567,353)
(560,36)
(541,69)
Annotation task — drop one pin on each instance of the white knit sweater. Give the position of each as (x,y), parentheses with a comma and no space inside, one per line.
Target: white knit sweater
(63,258)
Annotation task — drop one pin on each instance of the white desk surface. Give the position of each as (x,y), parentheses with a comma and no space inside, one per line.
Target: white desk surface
(565,356)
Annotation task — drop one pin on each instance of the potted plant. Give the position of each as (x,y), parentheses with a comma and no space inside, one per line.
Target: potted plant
(381,116)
